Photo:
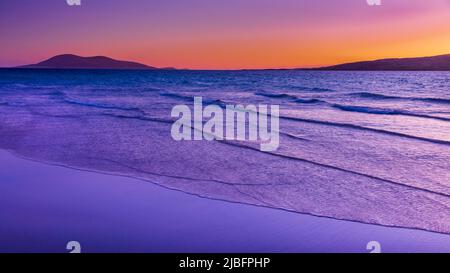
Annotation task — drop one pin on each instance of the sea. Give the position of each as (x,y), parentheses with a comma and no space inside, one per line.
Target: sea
(361,146)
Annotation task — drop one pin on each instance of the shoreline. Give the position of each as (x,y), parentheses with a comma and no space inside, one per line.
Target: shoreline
(163,187)
(88,212)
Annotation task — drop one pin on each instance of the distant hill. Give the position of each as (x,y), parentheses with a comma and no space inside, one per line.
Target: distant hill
(70,61)
(435,63)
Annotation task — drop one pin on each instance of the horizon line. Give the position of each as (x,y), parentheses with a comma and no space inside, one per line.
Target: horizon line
(222,69)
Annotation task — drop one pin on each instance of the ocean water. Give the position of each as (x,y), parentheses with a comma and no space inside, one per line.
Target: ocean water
(372,147)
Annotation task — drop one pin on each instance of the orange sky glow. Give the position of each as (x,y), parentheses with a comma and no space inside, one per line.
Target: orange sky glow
(200,34)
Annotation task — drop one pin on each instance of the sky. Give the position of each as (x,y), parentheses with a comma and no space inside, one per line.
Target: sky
(224,34)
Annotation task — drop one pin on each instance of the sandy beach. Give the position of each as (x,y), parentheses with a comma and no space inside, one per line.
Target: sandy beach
(229,127)
(46,206)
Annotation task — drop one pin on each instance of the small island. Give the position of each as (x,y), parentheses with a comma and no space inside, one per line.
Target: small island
(70,61)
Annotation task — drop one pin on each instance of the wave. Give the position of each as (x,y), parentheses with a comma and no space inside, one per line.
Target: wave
(368,95)
(317,89)
(434,100)
(360,109)
(99,105)
(236,144)
(362,128)
(264,94)
(321,122)
(328,166)
(290,97)
(309,89)
(311,101)
(140,117)
(311,121)
(384,111)
(368,110)
(289,157)
(191,98)
(276,95)
(177,96)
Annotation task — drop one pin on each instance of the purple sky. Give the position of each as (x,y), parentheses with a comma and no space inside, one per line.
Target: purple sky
(224,34)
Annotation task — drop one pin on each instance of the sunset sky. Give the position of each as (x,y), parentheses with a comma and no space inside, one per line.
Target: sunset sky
(224,34)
